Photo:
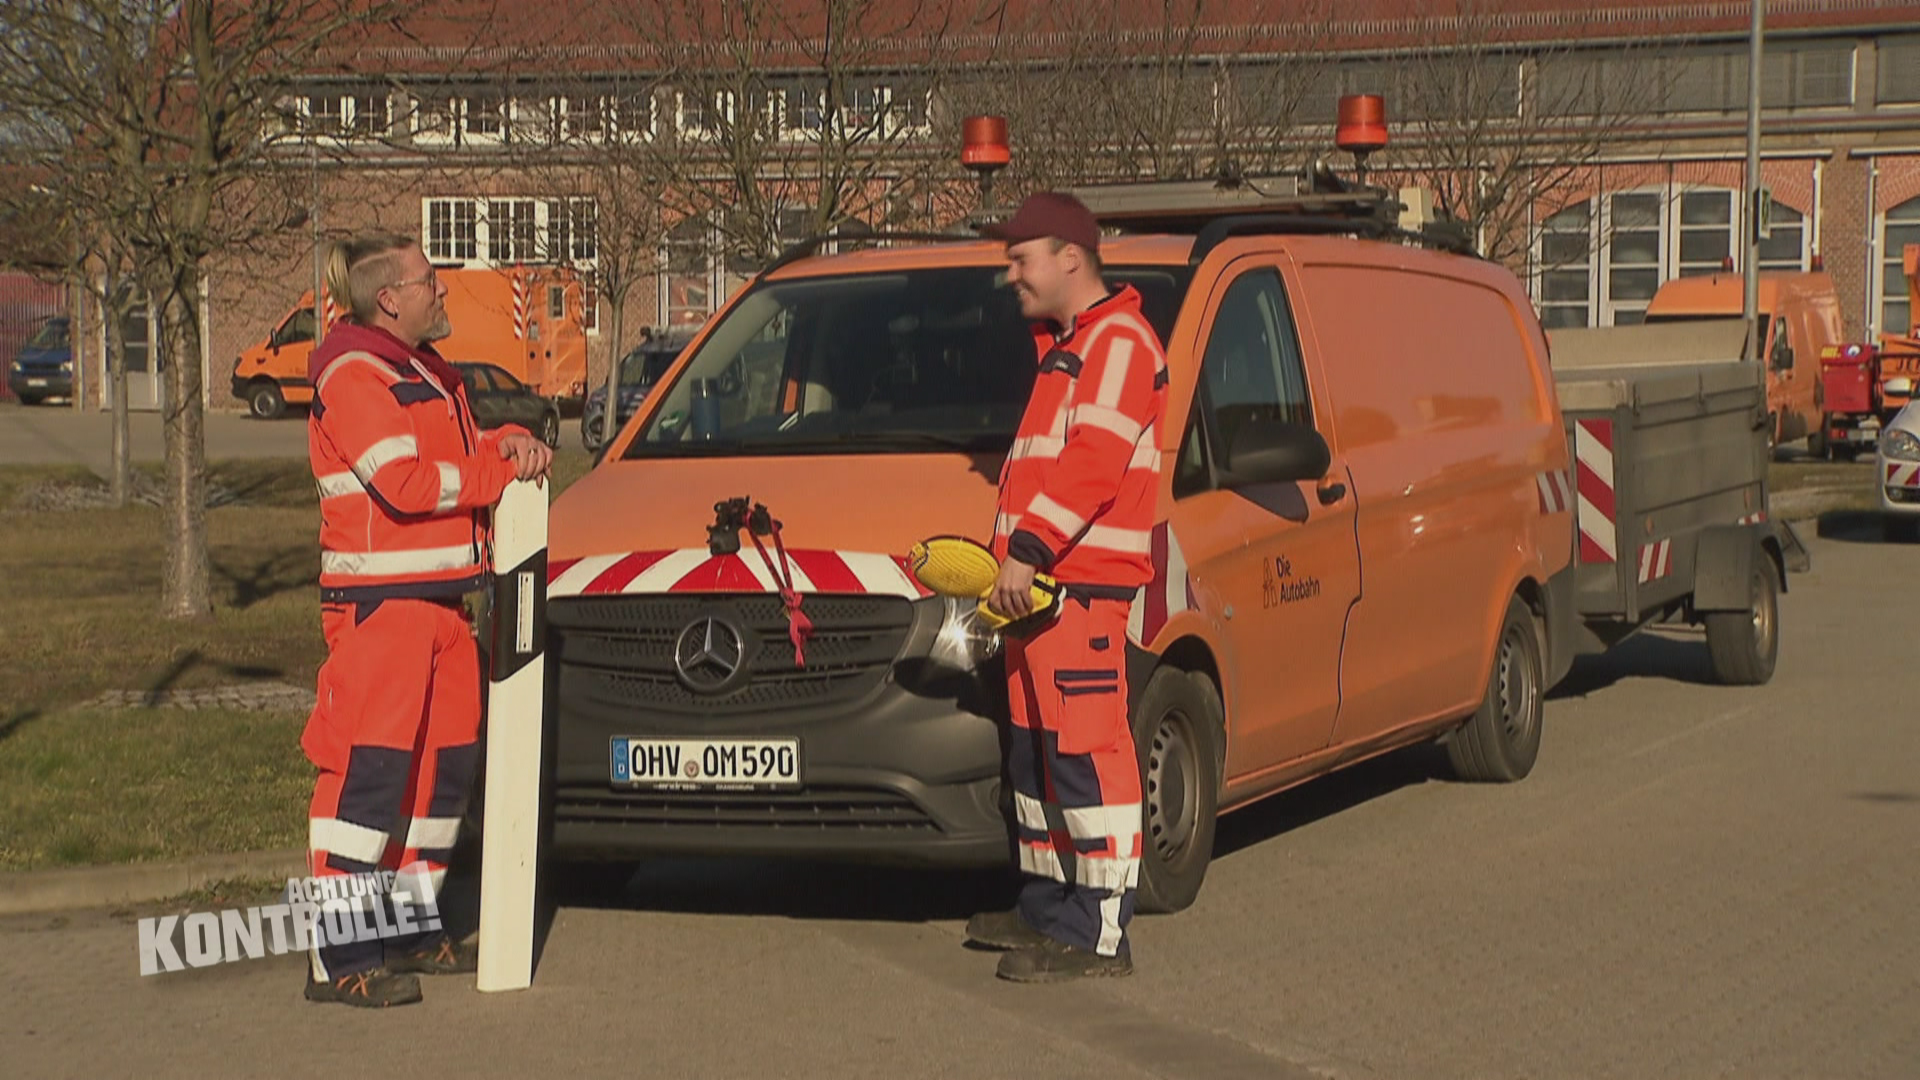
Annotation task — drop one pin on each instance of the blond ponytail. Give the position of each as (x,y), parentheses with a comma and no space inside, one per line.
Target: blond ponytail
(359,268)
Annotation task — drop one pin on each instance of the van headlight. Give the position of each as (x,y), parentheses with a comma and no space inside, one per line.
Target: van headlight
(964,642)
(1900,445)
(66,367)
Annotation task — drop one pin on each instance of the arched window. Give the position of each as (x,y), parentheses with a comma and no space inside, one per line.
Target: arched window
(1600,262)
(1900,227)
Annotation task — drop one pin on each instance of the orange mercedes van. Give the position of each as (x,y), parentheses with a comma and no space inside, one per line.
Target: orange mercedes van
(526,319)
(1365,541)
(1799,318)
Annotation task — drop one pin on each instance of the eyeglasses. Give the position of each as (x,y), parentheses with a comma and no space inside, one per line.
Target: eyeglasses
(432,278)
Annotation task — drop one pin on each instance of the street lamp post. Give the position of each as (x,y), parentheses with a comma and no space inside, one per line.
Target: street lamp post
(1750,303)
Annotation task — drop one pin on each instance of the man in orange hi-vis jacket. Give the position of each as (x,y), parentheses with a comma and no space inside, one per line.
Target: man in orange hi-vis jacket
(1076,501)
(406,483)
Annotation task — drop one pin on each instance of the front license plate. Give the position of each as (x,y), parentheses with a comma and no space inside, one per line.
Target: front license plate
(36,382)
(706,764)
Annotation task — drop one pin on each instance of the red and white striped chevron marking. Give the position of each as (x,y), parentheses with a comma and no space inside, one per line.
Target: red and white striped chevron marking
(1754,518)
(1556,491)
(1656,560)
(1168,594)
(519,306)
(328,313)
(1593,453)
(696,570)
(1903,474)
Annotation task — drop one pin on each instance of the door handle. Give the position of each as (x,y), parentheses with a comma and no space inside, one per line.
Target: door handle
(1330,493)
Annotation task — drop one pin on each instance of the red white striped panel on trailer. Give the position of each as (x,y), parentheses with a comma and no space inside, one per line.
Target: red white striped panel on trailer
(519,306)
(1753,519)
(328,313)
(698,570)
(1902,474)
(1593,453)
(1556,491)
(1656,560)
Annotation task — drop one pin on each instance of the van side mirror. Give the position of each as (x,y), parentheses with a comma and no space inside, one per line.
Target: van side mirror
(1275,451)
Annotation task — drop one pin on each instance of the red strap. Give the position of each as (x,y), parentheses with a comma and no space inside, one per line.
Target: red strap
(799,627)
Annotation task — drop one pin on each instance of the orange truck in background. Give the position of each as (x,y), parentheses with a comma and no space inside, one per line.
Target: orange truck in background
(1867,384)
(1799,320)
(526,319)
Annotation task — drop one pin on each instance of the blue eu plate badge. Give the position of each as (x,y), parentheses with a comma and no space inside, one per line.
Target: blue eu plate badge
(622,762)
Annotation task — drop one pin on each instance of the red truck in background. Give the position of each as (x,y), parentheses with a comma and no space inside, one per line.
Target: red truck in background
(1865,384)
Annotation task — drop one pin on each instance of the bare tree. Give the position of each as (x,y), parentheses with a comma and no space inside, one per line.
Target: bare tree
(1496,127)
(164,110)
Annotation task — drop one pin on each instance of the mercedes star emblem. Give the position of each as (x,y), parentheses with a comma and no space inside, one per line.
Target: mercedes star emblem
(710,655)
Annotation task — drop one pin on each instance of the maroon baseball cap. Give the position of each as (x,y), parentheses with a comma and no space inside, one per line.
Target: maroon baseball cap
(1049,213)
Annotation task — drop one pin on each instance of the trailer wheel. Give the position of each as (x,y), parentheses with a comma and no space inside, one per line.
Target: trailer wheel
(1900,529)
(1745,644)
(1817,443)
(1501,740)
(1177,732)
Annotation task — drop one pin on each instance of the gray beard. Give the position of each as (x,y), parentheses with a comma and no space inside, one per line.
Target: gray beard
(440,330)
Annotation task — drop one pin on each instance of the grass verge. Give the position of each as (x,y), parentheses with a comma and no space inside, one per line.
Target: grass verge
(129,785)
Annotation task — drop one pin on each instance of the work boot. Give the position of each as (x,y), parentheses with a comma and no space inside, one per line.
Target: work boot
(1057,961)
(440,956)
(375,989)
(1003,930)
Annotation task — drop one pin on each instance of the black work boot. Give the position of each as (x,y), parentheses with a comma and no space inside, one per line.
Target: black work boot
(1057,961)
(1003,930)
(375,989)
(439,956)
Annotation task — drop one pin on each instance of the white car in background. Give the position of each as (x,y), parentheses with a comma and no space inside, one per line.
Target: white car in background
(1898,462)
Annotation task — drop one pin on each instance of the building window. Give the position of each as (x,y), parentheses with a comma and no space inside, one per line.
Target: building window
(1566,280)
(1899,64)
(865,106)
(590,309)
(687,298)
(512,231)
(1900,227)
(1785,248)
(506,231)
(451,232)
(1598,263)
(326,114)
(436,119)
(484,118)
(556,302)
(705,113)
(579,117)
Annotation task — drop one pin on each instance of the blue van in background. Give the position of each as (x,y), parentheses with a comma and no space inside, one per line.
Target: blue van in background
(44,368)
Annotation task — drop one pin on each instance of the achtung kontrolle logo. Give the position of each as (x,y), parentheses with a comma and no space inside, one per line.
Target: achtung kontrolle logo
(314,912)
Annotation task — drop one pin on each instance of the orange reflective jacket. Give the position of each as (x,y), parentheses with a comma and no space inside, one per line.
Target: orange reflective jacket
(406,478)
(1077,494)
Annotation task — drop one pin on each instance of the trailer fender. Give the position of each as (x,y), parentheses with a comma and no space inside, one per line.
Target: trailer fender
(1723,561)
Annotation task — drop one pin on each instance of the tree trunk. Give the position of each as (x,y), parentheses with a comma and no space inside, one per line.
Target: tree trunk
(185,593)
(617,311)
(113,315)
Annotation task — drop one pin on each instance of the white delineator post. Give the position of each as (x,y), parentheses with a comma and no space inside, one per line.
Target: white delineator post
(516,698)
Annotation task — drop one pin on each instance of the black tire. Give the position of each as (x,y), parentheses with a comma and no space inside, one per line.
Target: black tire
(32,399)
(1842,451)
(265,401)
(1177,729)
(1900,528)
(1500,742)
(1817,444)
(550,429)
(590,431)
(1744,645)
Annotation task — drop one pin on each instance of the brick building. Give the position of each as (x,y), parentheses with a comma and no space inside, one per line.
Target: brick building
(456,140)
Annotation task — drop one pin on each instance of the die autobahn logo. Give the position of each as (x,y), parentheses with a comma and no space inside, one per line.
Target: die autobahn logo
(313,912)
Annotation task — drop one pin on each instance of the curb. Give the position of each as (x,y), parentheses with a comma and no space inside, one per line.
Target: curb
(28,891)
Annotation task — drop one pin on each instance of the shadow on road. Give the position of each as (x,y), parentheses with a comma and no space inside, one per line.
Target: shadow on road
(1280,814)
(793,890)
(1863,527)
(1678,653)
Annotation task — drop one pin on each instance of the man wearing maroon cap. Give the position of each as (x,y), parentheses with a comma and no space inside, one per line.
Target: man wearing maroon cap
(1077,501)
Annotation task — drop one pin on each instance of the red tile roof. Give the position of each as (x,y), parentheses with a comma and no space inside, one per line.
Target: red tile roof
(548,37)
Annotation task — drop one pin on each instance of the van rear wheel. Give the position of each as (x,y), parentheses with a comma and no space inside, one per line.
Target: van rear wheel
(1502,739)
(1177,731)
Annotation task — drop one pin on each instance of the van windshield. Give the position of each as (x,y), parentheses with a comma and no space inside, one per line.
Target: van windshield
(913,361)
(51,335)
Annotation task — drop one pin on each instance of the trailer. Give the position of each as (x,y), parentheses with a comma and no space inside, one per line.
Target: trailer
(1669,428)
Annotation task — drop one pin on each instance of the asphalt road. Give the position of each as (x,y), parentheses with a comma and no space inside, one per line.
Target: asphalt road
(1695,882)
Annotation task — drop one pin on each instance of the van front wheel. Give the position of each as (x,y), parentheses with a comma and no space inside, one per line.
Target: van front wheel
(1502,739)
(265,401)
(1178,732)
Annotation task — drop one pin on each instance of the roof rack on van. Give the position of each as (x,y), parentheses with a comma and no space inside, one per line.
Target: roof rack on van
(1211,219)
(812,244)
